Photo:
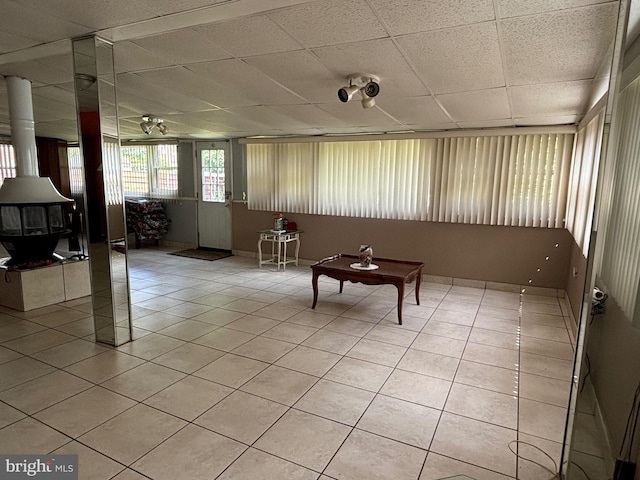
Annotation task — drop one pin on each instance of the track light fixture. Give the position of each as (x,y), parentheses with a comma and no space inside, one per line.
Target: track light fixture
(149,122)
(368,85)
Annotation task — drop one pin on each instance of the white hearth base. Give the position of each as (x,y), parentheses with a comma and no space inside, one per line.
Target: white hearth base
(26,290)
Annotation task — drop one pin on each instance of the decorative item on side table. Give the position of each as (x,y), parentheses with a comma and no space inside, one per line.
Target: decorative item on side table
(278,222)
(365,257)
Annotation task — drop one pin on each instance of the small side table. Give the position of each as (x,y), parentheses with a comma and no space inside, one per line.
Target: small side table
(279,241)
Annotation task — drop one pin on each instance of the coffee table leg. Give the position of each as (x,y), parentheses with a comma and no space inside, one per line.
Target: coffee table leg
(314,283)
(400,287)
(418,282)
(341,285)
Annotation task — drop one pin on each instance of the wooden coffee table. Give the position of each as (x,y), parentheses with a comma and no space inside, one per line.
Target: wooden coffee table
(393,272)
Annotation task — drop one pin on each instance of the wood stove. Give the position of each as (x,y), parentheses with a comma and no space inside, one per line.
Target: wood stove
(33,213)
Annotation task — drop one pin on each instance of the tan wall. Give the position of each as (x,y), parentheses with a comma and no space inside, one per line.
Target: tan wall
(499,254)
(575,285)
(614,354)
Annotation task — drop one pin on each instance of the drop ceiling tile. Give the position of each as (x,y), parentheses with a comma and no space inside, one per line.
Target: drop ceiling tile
(60,128)
(45,110)
(129,57)
(422,111)
(145,83)
(231,121)
(143,105)
(302,73)
(436,127)
(62,64)
(33,19)
(330,22)
(456,59)
(490,104)
(108,14)
(268,117)
(378,57)
(550,120)
(246,79)
(576,40)
(505,122)
(167,7)
(182,47)
(412,16)
(60,93)
(309,115)
(250,36)
(186,82)
(37,72)
(568,98)
(11,41)
(329,131)
(353,114)
(518,8)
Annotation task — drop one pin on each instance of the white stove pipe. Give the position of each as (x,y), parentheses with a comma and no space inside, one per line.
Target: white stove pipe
(23,133)
(27,186)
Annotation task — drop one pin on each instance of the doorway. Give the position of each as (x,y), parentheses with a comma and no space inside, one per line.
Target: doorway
(214,195)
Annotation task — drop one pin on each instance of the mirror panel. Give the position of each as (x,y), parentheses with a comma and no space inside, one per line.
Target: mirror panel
(103,199)
(586,453)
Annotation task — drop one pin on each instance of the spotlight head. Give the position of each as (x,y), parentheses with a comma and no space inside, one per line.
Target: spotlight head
(346,93)
(371,89)
(162,128)
(367,102)
(147,127)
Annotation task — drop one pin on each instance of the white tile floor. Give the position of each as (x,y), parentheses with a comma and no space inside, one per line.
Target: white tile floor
(233,376)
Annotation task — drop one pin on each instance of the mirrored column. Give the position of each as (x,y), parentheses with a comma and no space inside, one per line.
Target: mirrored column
(95,87)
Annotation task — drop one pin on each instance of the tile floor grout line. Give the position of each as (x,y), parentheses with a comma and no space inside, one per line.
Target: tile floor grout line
(441,410)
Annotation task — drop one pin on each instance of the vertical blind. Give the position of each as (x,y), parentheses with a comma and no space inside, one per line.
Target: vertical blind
(7,162)
(76,178)
(518,180)
(583,180)
(620,268)
(111,171)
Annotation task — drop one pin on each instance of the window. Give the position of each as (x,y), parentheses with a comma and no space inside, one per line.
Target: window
(518,180)
(213,175)
(147,171)
(150,170)
(7,162)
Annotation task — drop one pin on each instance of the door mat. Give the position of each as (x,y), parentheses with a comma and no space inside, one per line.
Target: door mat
(203,254)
